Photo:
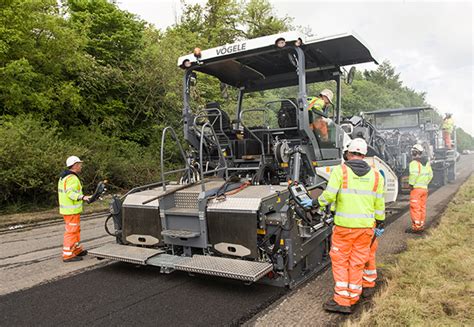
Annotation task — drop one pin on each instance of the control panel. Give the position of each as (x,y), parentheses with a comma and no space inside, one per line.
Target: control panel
(299,193)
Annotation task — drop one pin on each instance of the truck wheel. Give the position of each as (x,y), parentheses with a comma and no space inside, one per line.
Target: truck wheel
(444,177)
(451,172)
(440,178)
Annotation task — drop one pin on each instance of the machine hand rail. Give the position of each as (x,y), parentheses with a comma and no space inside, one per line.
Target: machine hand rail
(162,160)
(143,187)
(219,150)
(209,113)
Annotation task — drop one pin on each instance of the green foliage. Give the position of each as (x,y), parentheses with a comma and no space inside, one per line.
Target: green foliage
(378,89)
(31,156)
(464,140)
(124,163)
(113,35)
(259,18)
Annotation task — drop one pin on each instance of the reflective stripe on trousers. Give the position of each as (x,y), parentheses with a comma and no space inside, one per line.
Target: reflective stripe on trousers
(370,271)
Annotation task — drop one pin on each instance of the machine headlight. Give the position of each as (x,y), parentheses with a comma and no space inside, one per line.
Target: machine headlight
(280,42)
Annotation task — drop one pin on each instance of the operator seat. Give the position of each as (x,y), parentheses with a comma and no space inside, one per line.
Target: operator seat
(287,115)
(213,114)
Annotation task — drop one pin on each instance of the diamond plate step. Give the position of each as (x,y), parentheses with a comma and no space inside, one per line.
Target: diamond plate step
(180,233)
(249,271)
(125,253)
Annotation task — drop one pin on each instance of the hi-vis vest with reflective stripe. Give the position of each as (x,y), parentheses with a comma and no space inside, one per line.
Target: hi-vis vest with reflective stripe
(316,104)
(359,199)
(70,193)
(448,125)
(420,176)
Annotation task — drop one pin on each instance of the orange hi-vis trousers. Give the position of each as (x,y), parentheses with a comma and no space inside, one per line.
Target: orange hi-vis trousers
(447,139)
(418,197)
(72,236)
(349,253)
(370,270)
(321,127)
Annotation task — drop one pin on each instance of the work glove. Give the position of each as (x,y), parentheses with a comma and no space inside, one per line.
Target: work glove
(379,228)
(321,212)
(379,231)
(307,203)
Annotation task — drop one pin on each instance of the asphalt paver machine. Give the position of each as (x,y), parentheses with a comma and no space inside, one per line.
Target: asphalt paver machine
(234,210)
(400,129)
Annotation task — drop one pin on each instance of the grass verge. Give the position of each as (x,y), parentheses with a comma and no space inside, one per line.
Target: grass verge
(432,283)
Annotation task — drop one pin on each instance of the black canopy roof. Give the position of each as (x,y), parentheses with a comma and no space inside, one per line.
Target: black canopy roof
(270,67)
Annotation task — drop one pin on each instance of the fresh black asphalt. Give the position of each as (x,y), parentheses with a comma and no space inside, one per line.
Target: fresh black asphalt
(123,294)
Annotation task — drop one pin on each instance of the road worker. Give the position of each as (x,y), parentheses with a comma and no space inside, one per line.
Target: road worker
(317,106)
(448,127)
(370,269)
(357,190)
(420,176)
(71,199)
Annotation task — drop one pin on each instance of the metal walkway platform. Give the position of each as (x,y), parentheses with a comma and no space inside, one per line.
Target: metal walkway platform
(130,254)
(249,271)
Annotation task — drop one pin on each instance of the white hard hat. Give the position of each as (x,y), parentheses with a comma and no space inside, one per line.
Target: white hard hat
(72,160)
(327,93)
(346,141)
(358,145)
(417,147)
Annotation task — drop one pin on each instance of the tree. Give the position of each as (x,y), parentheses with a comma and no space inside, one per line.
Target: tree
(259,19)
(384,75)
(38,54)
(113,35)
(464,140)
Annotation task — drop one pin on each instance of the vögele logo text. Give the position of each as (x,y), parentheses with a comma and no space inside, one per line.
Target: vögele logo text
(231,49)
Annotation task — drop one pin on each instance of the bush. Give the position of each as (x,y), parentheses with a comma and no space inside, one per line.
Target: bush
(124,164)
(31,156)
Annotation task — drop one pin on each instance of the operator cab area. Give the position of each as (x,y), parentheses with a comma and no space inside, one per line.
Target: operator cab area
(260,116)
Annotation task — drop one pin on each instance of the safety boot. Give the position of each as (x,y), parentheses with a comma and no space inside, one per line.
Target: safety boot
(82,253)
(73,259)
(333,306)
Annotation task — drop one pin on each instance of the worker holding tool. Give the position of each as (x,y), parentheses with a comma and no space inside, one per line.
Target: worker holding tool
(357,190)
(420,176)
(71,199)
(448,127)
(317,106)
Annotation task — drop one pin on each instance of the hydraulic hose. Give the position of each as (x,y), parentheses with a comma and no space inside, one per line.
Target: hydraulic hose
(106,227)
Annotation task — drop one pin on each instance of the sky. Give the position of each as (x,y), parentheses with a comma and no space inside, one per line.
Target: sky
(429,43)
